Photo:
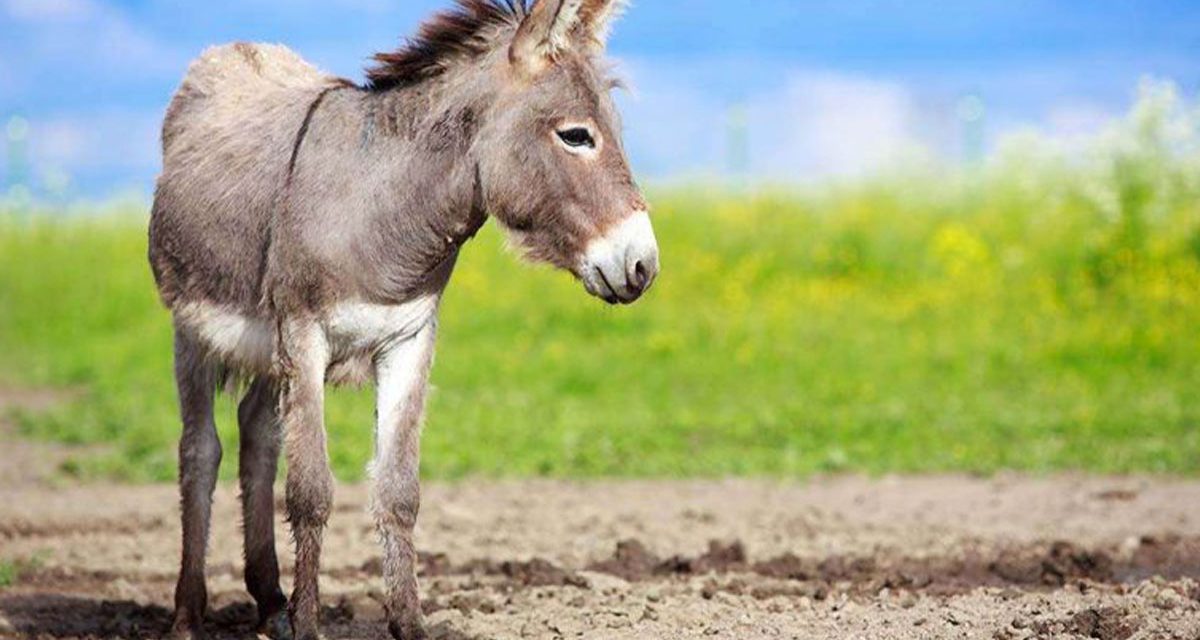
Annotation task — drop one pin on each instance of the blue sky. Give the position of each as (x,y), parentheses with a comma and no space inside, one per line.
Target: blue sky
(822,87)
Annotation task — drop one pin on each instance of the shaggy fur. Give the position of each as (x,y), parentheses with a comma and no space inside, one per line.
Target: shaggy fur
(468,31)
(464,32)
(304,229)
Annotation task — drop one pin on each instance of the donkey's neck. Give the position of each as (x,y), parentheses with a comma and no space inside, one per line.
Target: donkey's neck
(429,200)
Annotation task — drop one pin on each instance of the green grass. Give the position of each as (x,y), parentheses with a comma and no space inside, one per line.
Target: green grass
(8,573)
(11,571)
(1035,315)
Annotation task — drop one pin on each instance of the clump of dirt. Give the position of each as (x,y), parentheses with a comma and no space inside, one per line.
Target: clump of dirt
(536,572)
(1063,562)
(1118,495)
(1169,556)
(721,557)
(539,572)
(472,601)
(1108,623)
(1048,566)
(832,569)
(633,561)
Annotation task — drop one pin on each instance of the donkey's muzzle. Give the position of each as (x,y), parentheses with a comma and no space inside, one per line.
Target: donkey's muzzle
(621,265)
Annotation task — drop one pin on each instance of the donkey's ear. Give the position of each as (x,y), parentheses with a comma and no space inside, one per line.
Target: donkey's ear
(598,16)
(545,31)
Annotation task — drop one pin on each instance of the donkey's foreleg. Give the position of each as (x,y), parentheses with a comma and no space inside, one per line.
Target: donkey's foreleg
(401,374)
(199,459)
(258,422)
(305,357)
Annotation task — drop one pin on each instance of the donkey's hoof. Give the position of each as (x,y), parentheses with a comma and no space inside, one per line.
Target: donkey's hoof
(182,630)
(306,634)
(411,630)
(277,626)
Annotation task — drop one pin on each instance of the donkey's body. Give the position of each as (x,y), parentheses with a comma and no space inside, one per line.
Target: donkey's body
(304,229)
(286,190)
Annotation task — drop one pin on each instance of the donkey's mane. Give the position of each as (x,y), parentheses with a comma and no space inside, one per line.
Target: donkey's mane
(461,32)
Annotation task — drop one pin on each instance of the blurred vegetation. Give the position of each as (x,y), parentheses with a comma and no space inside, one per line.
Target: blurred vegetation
(1037,313)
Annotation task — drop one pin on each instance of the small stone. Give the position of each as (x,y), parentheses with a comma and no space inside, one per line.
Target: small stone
(1165,602)
(1129,547)
(604,582)
(619,623)
(1008,594)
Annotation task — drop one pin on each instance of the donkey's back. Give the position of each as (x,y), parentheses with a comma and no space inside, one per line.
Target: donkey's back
(228,139)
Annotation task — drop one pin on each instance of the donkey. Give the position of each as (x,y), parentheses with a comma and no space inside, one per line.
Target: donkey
(304,229)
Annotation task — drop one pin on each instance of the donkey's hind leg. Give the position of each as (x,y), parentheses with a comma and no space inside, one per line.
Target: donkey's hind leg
(199,459)
(258,421)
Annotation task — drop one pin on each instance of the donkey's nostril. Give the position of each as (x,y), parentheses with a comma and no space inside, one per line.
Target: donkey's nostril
(641,276)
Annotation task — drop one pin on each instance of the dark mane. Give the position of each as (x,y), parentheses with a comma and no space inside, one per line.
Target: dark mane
(456,33)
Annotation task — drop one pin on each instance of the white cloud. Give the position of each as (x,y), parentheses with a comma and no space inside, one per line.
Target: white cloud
(672,129)
(830,124)
(1073,120)
(91,34)
(799,125)
(808,124)
(107,140)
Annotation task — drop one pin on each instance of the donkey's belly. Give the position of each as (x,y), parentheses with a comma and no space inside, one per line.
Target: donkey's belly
(355,332)
(353,327)
(240,342)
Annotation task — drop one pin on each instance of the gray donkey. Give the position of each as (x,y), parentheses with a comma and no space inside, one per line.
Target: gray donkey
(304,229)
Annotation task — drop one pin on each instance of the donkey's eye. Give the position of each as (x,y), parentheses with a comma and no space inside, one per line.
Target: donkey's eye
(577,137)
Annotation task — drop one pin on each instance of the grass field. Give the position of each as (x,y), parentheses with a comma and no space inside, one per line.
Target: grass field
(1035,314)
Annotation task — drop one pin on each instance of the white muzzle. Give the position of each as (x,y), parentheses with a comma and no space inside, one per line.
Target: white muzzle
(621,265)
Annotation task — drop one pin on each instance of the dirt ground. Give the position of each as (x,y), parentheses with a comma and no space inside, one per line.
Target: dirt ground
(948,557)
(935,557)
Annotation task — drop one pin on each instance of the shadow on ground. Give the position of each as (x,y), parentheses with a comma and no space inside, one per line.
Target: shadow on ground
(57,616)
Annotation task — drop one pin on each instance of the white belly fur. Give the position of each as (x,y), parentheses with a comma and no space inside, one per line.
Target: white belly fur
(355,331)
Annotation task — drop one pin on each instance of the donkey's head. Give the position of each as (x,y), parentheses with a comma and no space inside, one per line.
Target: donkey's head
(551,156)
(531,82)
